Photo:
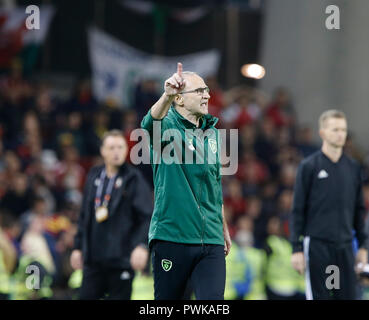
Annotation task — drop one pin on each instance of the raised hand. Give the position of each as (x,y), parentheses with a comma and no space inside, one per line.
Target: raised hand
(175,83)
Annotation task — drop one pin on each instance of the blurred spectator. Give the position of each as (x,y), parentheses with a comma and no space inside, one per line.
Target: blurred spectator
(282,281)
(16,93)
(11,228)
(245,231)
(304,143)
(28,143)
(284,138)
(41,189)
(81,100)
(254,211)
(35,245)
(265,145)
(284,210)
(100,124)
(228,116)
(287,176)
(235,201)
(19,198)
(245,265)
(281,111)
(228,216)
(268,195)
(72,135)
(146,94)
(247,138)
(70,174)
(38,208)
(286,155)
(47,114)
(252,172)
(7,249)
(244,117)
(216,101)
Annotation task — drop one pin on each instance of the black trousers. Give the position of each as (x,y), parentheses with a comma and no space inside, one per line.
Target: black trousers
(178,267)
(323,260)
(106,283)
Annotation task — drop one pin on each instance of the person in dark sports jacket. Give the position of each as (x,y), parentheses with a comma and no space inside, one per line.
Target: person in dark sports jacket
(328,209)
(111,242)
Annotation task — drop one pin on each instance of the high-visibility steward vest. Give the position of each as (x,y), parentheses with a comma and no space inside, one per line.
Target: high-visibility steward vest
(143,287)
(257,259)
(280,275)
(244,273)
(235,267)
(75,282)
(24,284)
(75,279)
(4,276)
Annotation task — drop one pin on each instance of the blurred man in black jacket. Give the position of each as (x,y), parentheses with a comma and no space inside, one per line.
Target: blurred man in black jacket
(328,208)
(113,225)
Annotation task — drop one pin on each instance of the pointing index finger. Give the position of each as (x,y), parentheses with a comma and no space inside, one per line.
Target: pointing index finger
(179,69)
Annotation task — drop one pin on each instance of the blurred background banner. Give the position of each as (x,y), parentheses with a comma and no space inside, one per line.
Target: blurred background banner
(17,40)
(117,67)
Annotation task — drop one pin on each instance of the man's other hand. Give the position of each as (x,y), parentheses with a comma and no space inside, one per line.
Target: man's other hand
(139,257)
(76,260)
(298,262)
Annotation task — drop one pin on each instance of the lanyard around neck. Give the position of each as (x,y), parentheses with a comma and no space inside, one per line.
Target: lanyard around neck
(108,192)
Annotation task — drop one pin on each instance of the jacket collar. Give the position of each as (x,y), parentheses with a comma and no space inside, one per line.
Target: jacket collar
(207,120)
(123,170)
(125,174)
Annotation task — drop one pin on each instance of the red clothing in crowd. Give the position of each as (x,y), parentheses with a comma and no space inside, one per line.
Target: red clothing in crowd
(243,119)
(215,103)
(237,205)
(254,172)
(277,115)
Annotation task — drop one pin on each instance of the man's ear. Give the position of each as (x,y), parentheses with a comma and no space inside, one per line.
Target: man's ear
(321,134)
(179,100)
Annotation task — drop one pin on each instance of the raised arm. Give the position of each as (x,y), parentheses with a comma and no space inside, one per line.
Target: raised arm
(172,86)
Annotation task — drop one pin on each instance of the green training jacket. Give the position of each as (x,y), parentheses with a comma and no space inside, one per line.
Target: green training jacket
(188,197)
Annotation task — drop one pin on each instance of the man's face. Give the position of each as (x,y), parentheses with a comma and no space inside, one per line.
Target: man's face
(195,102)
(20,184)
(334,132)
(114,150)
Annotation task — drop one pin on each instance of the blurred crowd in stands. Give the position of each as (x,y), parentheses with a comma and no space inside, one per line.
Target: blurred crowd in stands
(48,144)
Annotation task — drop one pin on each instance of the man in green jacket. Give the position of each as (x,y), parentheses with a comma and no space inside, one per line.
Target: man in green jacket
(188,234)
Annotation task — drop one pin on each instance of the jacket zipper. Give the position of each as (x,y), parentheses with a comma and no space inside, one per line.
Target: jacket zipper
(203,217)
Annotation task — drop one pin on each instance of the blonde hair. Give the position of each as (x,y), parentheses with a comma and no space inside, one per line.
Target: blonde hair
(330,114)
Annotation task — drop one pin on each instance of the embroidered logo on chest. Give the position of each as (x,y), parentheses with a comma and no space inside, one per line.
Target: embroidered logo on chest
(322,174)
(213,145)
